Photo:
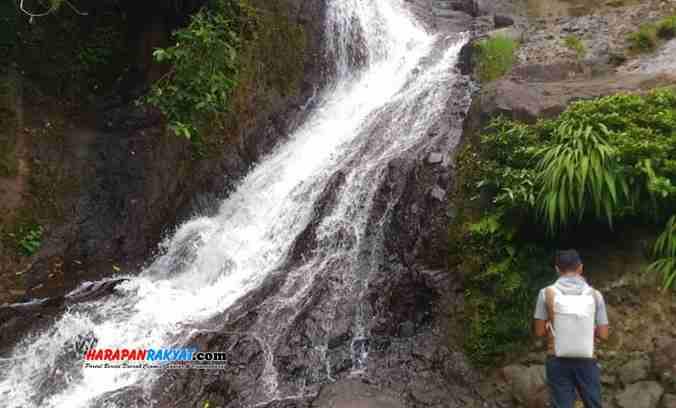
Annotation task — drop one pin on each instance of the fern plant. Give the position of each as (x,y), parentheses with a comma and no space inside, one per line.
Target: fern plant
(665,252)
(579,169)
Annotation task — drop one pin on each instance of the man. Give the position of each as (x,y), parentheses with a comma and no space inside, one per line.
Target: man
(571,314)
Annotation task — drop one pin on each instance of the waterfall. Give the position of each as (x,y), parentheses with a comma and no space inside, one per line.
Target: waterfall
(392,83)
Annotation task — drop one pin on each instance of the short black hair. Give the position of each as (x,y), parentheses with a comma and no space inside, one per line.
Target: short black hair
(568,260)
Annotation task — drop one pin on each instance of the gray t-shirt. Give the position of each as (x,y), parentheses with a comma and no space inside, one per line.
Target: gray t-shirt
(572,285)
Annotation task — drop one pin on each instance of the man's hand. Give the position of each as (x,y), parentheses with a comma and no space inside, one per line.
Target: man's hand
(601,332)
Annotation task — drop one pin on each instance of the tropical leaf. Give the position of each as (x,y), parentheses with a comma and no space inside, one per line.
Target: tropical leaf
(579,167)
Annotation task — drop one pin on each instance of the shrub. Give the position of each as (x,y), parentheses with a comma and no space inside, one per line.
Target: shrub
(494,57)
(575,44)
(645,39)
(649,36)
(666,28)
(31,240)
(500,297)
(204,68)
(579,170)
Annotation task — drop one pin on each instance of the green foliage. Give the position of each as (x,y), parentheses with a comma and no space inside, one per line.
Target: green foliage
(500,295)
(30,240)
(644,40)
(507,160)
(666,28)
(649,36)
(575,44)
(665,253)
(494,57)
(609,157)
(203,68)
(612,159)
(577,170)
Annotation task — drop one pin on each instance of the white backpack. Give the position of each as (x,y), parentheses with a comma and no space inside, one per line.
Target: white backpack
(572,322)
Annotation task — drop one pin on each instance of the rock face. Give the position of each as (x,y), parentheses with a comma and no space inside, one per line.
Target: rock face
(633,371)
(528,385)
(669,401)
(645,394)
(664,361)
(130,181)
(528,101)
(355,394)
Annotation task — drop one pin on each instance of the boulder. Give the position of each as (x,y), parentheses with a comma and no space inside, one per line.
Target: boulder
(644,394)
(501,21)
(356,394)
(634,370)
(669,401)
(529,101)
(528,384)
(507,32)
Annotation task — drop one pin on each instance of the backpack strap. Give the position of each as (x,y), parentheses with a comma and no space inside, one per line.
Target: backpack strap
(550,293)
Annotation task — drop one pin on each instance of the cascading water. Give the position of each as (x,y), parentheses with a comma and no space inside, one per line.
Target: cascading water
(392,82)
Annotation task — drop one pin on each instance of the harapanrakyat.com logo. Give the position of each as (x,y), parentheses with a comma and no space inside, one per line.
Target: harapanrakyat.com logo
(149,358)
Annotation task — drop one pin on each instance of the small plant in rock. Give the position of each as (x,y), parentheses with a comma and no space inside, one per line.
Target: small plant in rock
(575,44)
(666,28)
(494,57)
(644,40)
(31,240)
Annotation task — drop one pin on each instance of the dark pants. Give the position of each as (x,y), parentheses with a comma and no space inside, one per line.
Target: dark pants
(568,377)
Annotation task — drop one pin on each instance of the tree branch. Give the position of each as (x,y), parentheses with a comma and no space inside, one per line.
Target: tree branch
(50,10)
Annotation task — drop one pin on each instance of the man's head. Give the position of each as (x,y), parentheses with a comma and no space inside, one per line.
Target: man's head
(568,262)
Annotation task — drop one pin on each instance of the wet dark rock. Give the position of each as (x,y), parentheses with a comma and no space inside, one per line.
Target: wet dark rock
(136,181)
(466,60)
(407,329)
(16,319)
(502,21)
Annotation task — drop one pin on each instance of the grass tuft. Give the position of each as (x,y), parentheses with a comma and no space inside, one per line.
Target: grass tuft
(573,43)
(494,57)
(649,36)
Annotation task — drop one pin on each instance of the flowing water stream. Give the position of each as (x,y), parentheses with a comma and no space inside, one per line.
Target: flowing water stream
(392,82)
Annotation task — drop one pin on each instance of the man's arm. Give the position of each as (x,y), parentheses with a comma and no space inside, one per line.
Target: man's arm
(540,327)
(601,332)
(540,316)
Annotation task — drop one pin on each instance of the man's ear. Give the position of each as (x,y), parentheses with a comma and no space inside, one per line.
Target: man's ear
(580,269)
(557,269)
